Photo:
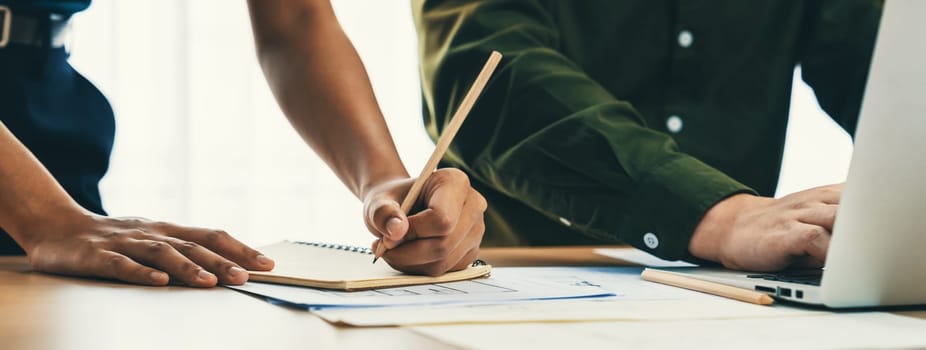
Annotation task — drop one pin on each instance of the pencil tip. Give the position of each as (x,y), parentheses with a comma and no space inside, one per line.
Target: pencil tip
(374,259)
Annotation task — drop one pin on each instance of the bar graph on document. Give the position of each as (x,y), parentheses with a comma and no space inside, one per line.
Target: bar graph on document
(505,285)
(457,288)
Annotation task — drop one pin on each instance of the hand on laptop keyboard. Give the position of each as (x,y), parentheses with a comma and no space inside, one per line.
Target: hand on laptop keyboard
(747,232)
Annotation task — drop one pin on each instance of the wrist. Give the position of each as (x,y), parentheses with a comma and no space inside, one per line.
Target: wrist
(714,231)
(30,230)
(370,184)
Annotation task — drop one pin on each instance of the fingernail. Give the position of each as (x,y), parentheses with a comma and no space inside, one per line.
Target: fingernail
(236,271)
(204,275)
(157,276)
(392,225)
(263,260)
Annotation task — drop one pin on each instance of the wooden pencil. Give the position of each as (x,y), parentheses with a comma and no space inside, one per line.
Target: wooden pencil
(695,284)
(444,141)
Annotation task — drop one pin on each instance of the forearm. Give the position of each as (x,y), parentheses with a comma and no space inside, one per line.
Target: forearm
(29,193)
(62,237)
(322,87)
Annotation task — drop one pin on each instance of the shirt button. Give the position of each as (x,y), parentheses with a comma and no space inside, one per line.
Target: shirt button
(685,38)
(650,240)
(674,124)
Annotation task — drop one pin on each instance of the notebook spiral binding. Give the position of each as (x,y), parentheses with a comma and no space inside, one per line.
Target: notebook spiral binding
(344,247)
(361,250)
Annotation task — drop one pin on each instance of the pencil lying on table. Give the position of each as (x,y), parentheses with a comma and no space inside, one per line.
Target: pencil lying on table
(708,287)
(444,141)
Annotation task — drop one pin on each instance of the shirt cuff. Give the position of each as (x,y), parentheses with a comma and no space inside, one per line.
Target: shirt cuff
(669,204)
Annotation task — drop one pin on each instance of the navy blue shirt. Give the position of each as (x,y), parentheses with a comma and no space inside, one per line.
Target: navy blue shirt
(56,113)
(64,7)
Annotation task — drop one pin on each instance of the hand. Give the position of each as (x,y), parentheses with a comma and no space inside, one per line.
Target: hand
(750,233)
(142,252)
(444,236)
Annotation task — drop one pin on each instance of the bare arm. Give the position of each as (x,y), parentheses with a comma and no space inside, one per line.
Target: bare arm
(30,193)
(60,236)
(322,87)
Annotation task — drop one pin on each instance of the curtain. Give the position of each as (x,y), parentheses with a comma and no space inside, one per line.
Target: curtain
(200,140)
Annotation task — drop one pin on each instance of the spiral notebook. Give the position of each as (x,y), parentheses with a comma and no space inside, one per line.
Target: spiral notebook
(343,267)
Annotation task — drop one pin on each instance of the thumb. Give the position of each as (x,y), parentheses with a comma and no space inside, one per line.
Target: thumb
(388,221)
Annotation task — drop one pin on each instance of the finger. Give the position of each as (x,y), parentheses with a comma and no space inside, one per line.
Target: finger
(445,196)
(448,185)
(419,252)
(431,223)
(163,256)
(223,244)
(808,240)
(386,220)
(436,244)
(829,194)
(475,208)
(435,255)
(457,260)
(416,265)
(108,264)
(227,271)
(467,260)
(470,247)
(820,215)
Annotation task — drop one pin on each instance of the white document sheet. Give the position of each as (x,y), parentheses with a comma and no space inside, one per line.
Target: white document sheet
(610,309)
(637,300)
(640,257)
(504,286)
(868,330)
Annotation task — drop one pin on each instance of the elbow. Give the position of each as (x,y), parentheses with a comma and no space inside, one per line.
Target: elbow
(279,24)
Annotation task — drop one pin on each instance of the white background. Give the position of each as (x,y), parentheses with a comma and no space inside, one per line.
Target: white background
(200,140)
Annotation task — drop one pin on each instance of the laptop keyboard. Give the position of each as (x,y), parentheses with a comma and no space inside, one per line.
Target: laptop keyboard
(810,277)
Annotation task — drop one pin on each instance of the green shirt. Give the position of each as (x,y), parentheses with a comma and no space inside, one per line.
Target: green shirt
(625,121)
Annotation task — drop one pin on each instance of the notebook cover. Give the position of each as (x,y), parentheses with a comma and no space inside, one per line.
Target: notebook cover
(335,266)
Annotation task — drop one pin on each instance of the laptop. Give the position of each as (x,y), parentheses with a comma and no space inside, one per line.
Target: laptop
(877,255)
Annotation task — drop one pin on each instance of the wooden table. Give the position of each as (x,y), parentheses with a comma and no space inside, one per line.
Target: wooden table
(39,311)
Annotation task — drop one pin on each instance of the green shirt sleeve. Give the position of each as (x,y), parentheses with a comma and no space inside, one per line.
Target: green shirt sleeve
(549,136)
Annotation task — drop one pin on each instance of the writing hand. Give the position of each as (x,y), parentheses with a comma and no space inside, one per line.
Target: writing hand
(746,232)
(143,252)
(443,236)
